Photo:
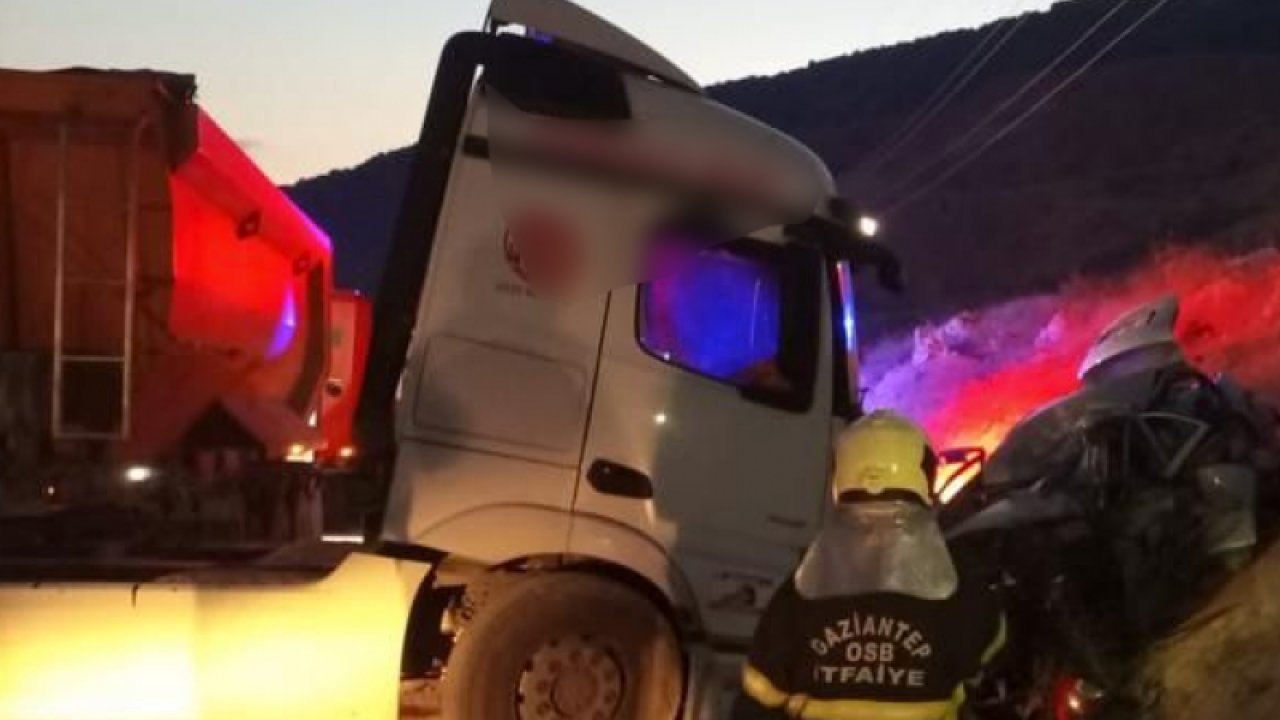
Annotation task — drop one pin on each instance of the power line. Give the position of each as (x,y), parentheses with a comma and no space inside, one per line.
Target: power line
(913,130)
(959,144)
(1016,122)
(874,158)
(943,96)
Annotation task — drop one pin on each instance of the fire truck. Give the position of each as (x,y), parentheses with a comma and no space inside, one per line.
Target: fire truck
(613,338)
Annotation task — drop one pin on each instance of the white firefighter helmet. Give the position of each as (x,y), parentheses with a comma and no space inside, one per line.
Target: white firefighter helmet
(1141,339)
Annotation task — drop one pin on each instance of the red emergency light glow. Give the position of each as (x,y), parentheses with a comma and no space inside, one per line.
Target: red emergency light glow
(1230,309)
(238,246)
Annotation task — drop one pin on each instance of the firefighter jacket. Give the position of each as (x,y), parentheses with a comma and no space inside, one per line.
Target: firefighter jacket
(872,656)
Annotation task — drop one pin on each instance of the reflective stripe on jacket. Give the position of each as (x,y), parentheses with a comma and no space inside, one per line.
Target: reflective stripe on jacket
(878,656)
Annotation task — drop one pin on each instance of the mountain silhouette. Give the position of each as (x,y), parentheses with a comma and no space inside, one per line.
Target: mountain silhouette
(1170,138)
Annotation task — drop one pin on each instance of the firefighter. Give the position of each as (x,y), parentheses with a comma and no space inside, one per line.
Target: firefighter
(877,621)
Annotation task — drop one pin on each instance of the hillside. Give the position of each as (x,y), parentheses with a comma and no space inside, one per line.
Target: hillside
(357,207)
(1170,138)
(970,377)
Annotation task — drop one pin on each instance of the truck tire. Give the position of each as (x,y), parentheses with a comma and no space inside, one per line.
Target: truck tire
(565,646)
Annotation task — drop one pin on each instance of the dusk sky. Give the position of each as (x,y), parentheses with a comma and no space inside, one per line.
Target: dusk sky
(312,85)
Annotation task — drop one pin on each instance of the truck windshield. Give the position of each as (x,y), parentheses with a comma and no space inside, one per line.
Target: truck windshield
(729,313)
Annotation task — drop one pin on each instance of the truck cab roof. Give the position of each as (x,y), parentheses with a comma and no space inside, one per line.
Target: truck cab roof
(569,23)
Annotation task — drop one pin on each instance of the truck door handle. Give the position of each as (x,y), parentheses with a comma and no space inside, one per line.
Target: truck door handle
(611,478)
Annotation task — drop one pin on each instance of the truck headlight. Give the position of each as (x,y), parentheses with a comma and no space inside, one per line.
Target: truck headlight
(138,473)
(868,226)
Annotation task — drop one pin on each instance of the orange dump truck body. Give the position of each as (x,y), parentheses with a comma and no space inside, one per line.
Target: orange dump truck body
(350,325)
(150,273)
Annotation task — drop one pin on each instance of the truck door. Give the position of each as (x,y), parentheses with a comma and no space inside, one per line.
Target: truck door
(711,421)
(494,394)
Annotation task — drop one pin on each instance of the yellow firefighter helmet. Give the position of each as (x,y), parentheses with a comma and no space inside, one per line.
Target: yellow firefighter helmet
(883,454)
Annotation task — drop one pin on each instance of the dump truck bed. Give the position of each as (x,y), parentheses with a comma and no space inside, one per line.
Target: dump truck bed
(149,269)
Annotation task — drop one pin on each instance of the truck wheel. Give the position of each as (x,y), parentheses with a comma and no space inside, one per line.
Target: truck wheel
(565,646)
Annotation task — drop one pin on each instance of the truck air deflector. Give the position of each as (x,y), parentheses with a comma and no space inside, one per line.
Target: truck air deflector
(542,79)
(567,22)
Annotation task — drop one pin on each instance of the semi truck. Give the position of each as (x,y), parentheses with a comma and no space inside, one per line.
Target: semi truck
(614,336)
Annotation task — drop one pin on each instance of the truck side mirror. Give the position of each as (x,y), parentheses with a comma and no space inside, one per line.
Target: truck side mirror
(888,266)
(840,242)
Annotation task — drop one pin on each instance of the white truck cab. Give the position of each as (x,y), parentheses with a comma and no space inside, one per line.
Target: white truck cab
(627,318)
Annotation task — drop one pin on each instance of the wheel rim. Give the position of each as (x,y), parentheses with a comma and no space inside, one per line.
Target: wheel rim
(570,678)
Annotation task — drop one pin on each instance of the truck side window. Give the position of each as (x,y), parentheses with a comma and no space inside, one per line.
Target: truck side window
(723,312)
